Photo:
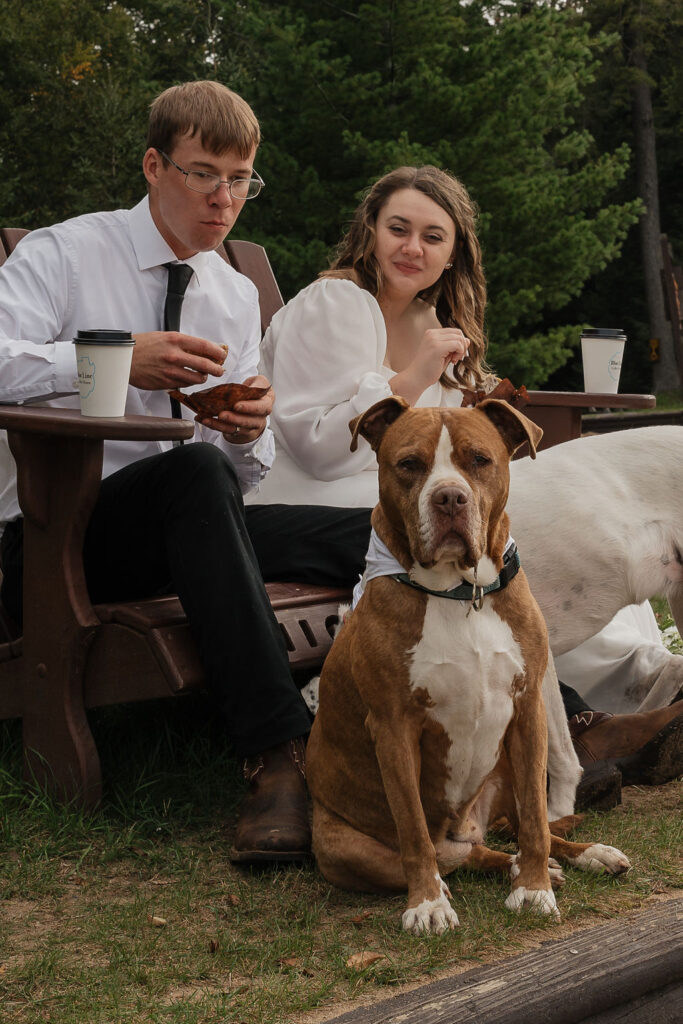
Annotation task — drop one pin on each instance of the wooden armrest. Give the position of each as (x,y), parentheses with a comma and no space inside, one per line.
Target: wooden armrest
(70,423)
(588,400)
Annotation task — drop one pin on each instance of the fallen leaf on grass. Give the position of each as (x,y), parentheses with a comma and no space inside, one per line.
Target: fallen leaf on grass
(157,922)
(214,946)
(291,961)
(359,961)
(227,902)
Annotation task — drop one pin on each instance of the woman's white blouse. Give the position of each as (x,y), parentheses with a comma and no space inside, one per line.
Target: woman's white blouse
(324,353)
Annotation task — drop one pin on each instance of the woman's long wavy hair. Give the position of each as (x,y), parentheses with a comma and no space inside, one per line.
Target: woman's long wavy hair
(459,296)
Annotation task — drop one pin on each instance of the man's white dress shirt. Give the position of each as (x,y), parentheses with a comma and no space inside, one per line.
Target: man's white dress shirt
(106,271)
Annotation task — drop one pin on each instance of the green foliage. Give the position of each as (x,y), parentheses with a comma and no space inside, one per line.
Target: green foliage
(616,295)
(509,97)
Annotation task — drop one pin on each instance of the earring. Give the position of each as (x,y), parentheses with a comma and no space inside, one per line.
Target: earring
(448,266)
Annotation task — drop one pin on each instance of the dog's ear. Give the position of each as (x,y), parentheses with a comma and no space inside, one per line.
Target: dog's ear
(512,425)
(375,420)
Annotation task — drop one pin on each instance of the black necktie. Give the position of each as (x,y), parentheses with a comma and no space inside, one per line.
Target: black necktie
(179,275)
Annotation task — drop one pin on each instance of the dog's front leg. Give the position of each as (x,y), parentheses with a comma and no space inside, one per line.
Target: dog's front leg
(526,745)
(397,747)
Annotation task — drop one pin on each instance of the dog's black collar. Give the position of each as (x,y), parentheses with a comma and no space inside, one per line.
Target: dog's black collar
(470,591)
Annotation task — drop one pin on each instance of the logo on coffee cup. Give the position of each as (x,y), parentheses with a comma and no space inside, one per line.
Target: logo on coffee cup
(614,367)
(86,376)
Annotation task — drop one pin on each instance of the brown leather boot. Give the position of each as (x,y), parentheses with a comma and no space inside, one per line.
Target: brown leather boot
(273,824)
(646,747)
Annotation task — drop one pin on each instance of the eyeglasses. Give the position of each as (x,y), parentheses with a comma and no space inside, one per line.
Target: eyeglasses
(202,181)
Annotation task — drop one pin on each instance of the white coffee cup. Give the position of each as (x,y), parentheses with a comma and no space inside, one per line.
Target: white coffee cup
(103,360)
(602,350)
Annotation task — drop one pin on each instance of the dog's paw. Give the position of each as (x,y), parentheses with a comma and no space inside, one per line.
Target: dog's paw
(431,917)
(602,858)
(309,692)
(541,901)
(557,878)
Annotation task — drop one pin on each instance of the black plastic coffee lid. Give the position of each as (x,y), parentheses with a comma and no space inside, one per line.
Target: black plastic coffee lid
(603,332)
(104,338)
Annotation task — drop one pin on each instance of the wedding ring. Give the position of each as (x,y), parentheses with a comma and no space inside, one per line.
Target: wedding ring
(235,431)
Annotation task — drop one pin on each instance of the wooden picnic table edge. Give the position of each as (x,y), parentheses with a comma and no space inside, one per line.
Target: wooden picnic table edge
(588,400)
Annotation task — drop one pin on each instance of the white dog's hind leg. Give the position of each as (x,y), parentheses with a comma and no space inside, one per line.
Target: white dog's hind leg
(674,596)
(564,770)
(667,681)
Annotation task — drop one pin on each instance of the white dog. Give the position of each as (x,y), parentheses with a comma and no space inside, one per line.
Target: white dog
(599,525)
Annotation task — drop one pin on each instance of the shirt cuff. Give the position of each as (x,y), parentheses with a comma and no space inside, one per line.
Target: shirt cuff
(252,460)
(261,450)
(66,370)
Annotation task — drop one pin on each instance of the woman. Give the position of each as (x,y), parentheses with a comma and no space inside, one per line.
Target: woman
(401,311)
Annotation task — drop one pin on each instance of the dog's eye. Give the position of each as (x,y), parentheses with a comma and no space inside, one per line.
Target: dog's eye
(480,460)
(411,464)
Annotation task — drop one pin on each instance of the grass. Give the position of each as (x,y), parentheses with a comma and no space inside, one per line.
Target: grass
(670,400)
(134,914)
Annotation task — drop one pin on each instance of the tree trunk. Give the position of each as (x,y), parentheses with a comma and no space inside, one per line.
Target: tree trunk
(666,370)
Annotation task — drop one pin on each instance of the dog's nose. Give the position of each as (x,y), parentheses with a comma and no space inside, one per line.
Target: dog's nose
(449,499)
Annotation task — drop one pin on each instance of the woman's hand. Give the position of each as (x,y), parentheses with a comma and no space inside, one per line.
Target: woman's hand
(439,348)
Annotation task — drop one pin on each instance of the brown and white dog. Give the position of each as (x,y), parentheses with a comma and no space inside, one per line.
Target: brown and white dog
(431,722)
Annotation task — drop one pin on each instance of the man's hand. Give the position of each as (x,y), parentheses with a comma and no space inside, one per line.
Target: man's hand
(169,359)
(247,420)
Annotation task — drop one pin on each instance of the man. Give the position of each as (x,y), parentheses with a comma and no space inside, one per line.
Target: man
(173,518)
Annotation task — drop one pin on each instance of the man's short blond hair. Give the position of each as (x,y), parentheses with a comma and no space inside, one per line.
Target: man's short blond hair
(222,119)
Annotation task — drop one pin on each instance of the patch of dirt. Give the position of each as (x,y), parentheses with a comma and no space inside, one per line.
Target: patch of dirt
(635,798)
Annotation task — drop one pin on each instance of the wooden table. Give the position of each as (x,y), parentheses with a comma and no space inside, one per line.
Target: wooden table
(558,413)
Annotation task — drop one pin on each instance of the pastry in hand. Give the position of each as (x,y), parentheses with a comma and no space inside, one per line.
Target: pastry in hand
(210,402)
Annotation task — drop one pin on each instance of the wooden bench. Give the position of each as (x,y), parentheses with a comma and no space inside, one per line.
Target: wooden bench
(74,656)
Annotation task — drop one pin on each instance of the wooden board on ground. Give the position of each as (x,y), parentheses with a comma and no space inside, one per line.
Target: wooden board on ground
(627,972)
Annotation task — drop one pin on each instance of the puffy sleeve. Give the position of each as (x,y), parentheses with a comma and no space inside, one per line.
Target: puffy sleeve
(324,353)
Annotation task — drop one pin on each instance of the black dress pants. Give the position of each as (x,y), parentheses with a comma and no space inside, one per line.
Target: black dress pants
(176,522)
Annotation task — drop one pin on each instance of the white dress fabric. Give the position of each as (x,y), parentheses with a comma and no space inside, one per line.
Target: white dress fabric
(325,355)
(612,669)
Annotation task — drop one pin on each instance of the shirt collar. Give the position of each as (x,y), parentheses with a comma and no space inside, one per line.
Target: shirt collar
(151,249)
